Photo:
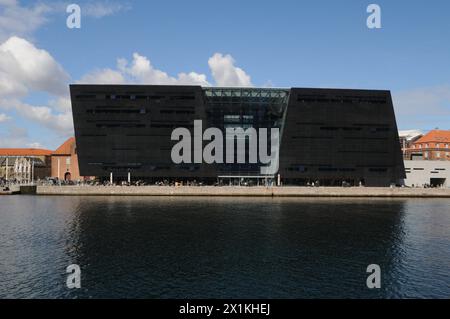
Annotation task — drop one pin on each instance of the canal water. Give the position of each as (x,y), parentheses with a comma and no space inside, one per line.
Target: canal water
(144,247)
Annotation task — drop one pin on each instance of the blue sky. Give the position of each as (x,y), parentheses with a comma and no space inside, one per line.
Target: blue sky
(272,43)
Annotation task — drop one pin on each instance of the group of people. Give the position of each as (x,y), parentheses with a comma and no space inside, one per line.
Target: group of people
(427,186)
(8,183)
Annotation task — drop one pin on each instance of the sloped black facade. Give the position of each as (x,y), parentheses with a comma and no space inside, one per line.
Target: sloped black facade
(335,135)
(327,135)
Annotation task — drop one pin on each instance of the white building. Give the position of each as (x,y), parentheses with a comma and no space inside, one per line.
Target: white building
(407,138)
(410,135)
(421,173)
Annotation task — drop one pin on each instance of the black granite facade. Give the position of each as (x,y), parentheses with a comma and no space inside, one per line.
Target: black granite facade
(327,135)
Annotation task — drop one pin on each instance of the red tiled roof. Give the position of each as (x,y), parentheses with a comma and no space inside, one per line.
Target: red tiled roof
(66,147)
(435,136)
(24,152)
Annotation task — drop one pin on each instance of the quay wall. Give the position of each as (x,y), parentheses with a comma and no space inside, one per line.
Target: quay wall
(243,191)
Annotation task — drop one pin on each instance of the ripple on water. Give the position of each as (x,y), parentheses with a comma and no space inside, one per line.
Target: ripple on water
(223,247)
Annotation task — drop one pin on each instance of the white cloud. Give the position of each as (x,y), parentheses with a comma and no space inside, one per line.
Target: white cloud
(192,78)
(61,123)
(141,71)
(268,84)
(10,86)
(61,104)
(14,137)
(19,20)
(23,20)
(24,67)
(225,73)
(104,76)
(35,145)
(4,118)
(8,2)
(17,137)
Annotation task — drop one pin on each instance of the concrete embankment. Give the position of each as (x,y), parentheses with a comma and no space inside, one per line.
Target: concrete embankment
(14,190)
(243,191)
(7,193)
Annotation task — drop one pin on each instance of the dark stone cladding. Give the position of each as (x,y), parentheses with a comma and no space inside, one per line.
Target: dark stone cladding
(327,135)
(337,135)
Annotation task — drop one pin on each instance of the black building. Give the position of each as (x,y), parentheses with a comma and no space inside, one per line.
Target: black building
(326,135)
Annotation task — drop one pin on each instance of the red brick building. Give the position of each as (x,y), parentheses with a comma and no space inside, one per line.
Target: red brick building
(61,164)
(434,145)
(65,162)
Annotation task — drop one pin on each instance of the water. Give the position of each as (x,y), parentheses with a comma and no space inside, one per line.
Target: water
(129,247)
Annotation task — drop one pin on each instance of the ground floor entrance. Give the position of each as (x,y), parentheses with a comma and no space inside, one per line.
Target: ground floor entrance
(437,182)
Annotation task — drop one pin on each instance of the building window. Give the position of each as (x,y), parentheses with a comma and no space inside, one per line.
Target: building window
(68,161)
(232,118)
(446,145)
(437,145)
(426,145)
(438,154)
(247,118)
(425,154)
(420,145)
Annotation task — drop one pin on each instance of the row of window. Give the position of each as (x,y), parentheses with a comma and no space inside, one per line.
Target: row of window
(436,154)
(304,99)
(116,111)
(426,145)
(177,112)
(117,125)
(352,128)
(236,118)
(333,169)
(422,169)
(153,125)
(376,125)
(135,97)
(141,110)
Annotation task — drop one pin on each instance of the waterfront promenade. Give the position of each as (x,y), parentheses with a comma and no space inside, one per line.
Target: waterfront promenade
(245,191)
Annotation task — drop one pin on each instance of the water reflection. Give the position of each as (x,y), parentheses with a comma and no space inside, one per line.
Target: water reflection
(222,247)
